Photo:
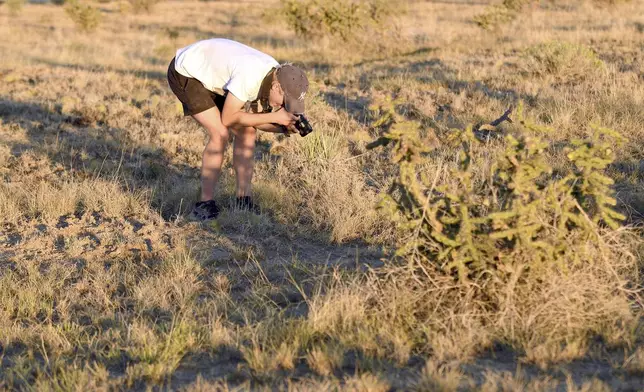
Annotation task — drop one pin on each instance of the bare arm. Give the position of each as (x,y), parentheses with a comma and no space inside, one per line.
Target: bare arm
(274,128)
(234,115)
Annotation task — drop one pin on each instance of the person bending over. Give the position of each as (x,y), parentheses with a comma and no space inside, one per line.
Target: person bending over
(229,87)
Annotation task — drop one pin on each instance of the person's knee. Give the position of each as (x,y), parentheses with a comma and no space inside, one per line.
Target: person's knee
(250,132)
(220,133)
(247,134)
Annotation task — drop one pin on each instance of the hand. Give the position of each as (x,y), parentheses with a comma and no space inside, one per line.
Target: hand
(284,118)
(292,129)
(288,131)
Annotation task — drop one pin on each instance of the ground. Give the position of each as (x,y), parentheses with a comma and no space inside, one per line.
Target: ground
(105,283)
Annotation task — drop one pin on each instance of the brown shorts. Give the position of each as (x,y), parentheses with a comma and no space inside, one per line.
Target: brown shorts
(194,97)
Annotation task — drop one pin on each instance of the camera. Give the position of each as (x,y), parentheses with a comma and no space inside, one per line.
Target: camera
(303,125)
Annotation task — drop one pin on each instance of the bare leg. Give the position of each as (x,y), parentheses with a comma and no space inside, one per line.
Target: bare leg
(213,154)
(243,158)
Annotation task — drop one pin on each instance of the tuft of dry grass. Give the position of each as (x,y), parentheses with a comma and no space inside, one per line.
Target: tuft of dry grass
(365,382)
(324,360)
(437,377)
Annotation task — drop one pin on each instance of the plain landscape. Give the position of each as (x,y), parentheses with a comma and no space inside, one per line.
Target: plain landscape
(467,214)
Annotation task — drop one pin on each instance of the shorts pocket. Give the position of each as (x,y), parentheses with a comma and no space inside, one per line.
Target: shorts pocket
(184,82)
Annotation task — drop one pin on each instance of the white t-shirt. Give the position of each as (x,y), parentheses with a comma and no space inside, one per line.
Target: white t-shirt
(222,64)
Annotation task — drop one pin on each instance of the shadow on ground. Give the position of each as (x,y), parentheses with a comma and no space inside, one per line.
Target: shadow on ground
(81,146)
(153,75)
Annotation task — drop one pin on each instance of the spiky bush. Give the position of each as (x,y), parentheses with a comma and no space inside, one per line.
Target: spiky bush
(500,246)
(86,17)
(521,212)
(562,61)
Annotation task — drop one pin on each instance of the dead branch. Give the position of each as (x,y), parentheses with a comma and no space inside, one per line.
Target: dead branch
(486,131)
(504,117)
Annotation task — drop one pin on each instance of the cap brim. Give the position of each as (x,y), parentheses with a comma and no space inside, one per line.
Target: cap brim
(294,106)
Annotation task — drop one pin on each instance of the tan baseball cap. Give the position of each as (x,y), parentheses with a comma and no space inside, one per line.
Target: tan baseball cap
(295,85)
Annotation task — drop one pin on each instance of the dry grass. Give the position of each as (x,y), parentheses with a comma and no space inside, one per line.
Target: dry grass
(104,285)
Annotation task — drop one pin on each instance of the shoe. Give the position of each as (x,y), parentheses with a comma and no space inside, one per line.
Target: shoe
(204,210)
(245,203)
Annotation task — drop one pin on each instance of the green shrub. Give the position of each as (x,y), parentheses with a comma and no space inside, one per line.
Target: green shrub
(334,18)
(562,61)
(86,17)
(520,212)
(59,2)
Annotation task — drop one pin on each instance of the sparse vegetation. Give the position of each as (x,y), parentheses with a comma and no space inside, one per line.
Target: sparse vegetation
(506,11)
(513,261)
(610,2)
